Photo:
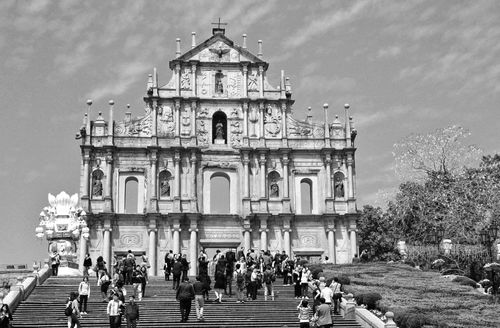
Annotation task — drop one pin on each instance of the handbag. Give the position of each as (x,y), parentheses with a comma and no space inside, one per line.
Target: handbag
(313,322)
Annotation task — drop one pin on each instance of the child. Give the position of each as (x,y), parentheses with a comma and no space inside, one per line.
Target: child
(304,313)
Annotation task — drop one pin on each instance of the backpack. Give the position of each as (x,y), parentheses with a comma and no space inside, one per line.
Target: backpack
(68,311)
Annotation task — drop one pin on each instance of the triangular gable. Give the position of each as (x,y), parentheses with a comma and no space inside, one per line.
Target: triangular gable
(219,48)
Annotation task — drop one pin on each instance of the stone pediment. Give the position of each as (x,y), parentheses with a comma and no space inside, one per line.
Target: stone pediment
(218,49)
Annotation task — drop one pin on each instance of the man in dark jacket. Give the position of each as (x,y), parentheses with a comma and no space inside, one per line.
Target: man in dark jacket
(185,267)
(132,312)
(176,273)
(185,294)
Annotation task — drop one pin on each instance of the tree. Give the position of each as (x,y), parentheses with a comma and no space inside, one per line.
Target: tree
(442,153)
(376,233)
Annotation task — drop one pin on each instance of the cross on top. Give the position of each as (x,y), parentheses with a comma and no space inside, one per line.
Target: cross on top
(218,29)
(219,24)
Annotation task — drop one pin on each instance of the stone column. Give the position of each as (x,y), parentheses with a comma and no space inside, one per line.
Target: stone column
(245,80)
(247,229)
(193,160)
(246,176)
(349,176)
(284,116)
(152,247)
(193,118)
(177,111)
(285,161)
(263,233)
(331,244)
(262,162)
(86,163)
(352,238)
(193,78)
(83,251)
(261,76)
(193,249)
(177,160)
(176,241)
(107,245)
(154,197)
(328,168)
(261,120)
(245,119)
(286,240)
(177,77)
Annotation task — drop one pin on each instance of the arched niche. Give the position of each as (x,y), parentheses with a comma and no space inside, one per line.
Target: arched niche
(219,128)
(208,194)
(131,193)
(339,185)
(165,184)
(274,185)
(97,189)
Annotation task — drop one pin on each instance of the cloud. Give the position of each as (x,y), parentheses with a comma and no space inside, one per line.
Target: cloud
(389,52)
(126,74)
(363,120)
(324,24)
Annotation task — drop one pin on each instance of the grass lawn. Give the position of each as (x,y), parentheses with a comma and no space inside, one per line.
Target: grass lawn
(406,289)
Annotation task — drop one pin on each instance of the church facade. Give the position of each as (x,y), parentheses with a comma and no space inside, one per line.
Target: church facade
(217,161)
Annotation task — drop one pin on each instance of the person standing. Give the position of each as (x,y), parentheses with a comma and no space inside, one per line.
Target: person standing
(176,273)
(269,278)
(84,291)
(169,259)
(304,314)
(132,312)
(114,311)
(199,292)
(304,282)
(185,294)
(336,288)
(241,254)
(185,267)
(55,260)
(137,283)
(220,284)
(87,264)
(5,317)
(74,317)
(324,315)
(240,283)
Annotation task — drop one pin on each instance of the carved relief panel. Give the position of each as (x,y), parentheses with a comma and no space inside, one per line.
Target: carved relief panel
(139,127)
(166,123)
(272,121)
(186,121)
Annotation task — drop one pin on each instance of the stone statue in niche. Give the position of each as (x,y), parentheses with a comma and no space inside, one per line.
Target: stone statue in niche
(339,186)
(165,187)
(185,81)
(219,130)
(252,82)
(97,176)
(275,189)
(219,86)
(253,117)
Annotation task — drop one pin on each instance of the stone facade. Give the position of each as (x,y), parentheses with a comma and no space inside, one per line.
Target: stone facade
(287,184)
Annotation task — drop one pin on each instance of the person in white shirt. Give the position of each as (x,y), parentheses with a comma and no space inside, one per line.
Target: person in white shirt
(335,286)
(114,312)
(304,282)
(84,291)
(327,294)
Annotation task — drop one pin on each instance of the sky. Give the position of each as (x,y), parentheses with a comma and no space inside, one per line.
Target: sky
(403,66)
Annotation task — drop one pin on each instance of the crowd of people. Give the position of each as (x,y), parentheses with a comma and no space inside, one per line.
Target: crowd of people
(247,270)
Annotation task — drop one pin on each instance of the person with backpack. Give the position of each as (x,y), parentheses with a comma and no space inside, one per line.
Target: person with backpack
(72,311)
(129,266)
(336,288)
(176,273)
(269,279)
(240,283)
(137,283)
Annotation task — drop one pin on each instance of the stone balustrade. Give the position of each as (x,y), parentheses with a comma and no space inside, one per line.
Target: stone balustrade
(364,317)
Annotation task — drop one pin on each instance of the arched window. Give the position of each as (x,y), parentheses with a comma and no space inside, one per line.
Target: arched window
(220,195)
(219,128)
(339,189)
(164,184)
(306,196)
(131,195)
(273,182)
(97,176)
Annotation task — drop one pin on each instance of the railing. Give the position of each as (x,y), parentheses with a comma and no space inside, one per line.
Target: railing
(365,318)
(24,287)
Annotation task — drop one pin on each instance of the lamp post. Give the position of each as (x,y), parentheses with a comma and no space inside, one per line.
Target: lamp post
(438,236)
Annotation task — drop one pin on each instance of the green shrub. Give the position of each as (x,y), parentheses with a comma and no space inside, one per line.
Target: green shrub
(412,320)
(316,269)
(344,280)
(368,299)
(465,281)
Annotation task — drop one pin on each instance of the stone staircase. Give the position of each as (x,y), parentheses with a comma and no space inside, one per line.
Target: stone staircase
(45,308)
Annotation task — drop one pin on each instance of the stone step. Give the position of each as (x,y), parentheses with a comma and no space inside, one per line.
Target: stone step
(45,308)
